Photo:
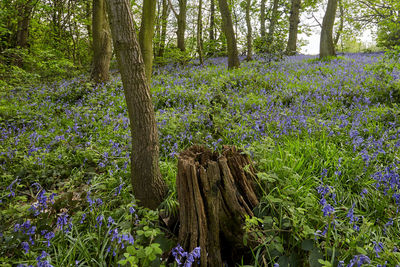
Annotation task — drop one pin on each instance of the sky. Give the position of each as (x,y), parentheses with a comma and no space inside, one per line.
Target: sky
(312,46)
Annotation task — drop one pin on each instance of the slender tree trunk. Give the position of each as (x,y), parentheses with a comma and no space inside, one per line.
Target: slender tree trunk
(24,11)
(339,31)
(293,27)
(164,18)
(272,25)
(212,20)
(157,30)
(101,42)
(200,33)
(147,184)
(146,35)
(181,24)
(326,47)
(262,20)
(88,25)
(227,26)
(231,6)
(249,31)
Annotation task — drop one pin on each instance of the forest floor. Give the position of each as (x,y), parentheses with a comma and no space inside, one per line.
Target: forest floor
(323,135)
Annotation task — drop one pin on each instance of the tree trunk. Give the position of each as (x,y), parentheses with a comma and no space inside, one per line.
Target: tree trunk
(24,18)
(200,33)
(164,18)
(101,43)
(146,35)
(212,20)
(148,186)
(227,26)
(262,20)
(272,25)
(88,25)
(249,31)
(181,24)
(215,195)
(339,31)
(293,27)
(326,47)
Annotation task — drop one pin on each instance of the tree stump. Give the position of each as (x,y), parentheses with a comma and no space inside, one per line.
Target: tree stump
(215,193)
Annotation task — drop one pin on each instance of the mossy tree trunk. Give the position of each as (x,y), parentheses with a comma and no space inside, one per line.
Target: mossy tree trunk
(249,31)
(215,194)
(101,42)
(146,33)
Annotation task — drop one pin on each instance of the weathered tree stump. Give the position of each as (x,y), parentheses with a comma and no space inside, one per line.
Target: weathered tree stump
(215,193)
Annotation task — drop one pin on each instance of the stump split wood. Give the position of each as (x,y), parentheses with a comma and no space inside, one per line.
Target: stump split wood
(215,193)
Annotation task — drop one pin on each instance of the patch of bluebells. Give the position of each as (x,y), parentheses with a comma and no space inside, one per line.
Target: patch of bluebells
(353,219)
(357,260)
(11,187)
(48,235)
(184,258)
(42,202)
(64,223)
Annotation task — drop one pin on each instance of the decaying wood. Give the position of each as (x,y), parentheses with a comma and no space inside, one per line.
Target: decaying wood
(215,193)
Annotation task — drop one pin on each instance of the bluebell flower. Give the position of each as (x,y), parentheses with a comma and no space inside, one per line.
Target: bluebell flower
(99,220)
(25,246)
(110,221)
(359,260)
(83,218)
(63,222)
(378,247)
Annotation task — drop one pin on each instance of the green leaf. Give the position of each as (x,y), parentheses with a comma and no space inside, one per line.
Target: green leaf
(307,245)
(313,258)
(148,251)
(325,263)
(131,250)
(361,251)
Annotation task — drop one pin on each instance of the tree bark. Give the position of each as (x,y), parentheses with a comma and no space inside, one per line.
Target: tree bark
(24,18)
(262,20)
(339,31)
(326,47)
(293,27)
(200,33)
(249,32)
(101,42)
(164,18)
(272,25)
(181,24)
(146,35)
(227,26)
(215,195)
(212,20)
(148,186)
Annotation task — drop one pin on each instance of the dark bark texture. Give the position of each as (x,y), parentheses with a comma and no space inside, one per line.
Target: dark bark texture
(293,27)
(227,26)
(148,186)
(215,194)
(326,47)
(181,24)
(262,19)
(212,20)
